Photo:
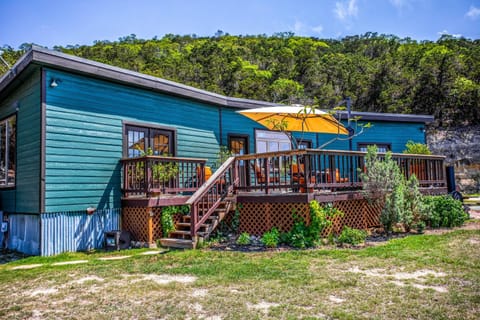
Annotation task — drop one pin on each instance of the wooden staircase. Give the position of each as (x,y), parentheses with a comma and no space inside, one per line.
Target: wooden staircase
(182,236)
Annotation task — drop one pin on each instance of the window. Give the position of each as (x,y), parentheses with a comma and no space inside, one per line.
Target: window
(8,139)
(140,139)
(381,147)
(269,141)
(304,144)
(238,144)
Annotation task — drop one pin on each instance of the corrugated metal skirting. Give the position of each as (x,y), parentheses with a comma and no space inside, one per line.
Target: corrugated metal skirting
(24,233)
(76,231)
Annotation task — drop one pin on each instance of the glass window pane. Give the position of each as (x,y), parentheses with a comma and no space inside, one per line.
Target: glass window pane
(8,140)
(136,143)
(11,152)
(160,144)
(149,141)
(272,146)
(261,146)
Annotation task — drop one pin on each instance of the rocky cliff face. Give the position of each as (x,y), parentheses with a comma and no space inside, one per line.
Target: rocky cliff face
(461,146)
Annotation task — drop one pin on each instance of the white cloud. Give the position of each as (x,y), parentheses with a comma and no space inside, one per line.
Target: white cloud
(318,29)
(346,9)
(473,13)
(457,35)
(298,26)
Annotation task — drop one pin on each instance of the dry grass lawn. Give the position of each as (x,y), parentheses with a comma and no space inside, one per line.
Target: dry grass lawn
(417,277)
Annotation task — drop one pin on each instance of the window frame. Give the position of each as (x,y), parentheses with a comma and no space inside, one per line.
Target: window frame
(387,145)
(273,132)
(149,128)
(306,142)
(7,153)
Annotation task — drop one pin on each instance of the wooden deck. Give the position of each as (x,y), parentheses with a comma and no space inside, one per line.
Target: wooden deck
(290,177)
(308,171)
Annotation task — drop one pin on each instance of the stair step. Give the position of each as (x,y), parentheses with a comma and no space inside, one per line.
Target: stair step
(188,225)
(186,219)
(177,243)
(185,233)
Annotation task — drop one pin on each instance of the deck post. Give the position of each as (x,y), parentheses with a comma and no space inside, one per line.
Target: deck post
(193,220)
(125,179)
(150,225)
(266,167)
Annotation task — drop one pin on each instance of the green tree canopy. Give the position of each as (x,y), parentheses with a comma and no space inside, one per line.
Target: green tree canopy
(381,73)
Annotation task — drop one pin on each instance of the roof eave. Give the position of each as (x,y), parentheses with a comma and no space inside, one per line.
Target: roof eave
(62,61)
(391,117)
(16,69)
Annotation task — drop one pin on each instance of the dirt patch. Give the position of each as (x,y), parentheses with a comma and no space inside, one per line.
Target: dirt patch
(403,279)
(262,306)
(45,291)
(161,278)
(199,293)
(398,275)
(474,225)
(336,299)
(88,279)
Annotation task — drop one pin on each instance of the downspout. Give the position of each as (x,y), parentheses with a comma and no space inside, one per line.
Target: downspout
(220,129)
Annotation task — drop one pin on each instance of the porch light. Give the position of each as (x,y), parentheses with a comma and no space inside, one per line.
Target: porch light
(54,83)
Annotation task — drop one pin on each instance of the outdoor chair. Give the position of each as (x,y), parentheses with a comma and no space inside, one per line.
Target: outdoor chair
(337,178)
(261,178)
(207,173)
(298,176)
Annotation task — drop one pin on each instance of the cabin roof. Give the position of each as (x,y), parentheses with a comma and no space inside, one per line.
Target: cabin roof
(58,60)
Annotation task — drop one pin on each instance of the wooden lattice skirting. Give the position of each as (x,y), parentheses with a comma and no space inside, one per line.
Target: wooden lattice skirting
(143,223)
(257,218)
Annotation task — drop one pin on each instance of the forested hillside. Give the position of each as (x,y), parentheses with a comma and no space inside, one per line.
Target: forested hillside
(380,73)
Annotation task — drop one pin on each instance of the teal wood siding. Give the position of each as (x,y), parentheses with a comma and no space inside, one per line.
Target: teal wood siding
(25,198)
(235,123)
(84,126)
(394,133)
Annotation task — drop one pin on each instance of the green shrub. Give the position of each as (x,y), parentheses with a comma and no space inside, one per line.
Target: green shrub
(416,148)
(352,236)
(383,182)
(243,239)
(444,211)
(271,238)
(302,235)
(168,225)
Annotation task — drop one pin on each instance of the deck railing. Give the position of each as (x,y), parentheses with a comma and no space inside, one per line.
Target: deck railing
(287,171)
(207,199)
(314,169)
(150,175)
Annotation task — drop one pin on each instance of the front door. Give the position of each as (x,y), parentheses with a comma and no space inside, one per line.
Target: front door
(238,144)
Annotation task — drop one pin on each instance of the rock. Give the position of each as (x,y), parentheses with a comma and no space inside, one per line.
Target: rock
(461,147)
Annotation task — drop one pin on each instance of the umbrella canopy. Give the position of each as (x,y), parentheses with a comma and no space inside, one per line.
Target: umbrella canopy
(295,118)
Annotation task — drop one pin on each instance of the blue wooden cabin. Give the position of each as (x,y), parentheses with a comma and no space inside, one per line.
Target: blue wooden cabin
(66,122)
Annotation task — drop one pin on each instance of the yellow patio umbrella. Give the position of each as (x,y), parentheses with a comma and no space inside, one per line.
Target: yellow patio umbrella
(295,118)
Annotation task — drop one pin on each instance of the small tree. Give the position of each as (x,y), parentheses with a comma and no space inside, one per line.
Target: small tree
(413,212)
(381,175)
(383,182)
(416,148)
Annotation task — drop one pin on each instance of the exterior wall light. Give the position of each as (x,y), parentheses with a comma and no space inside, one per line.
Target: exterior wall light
(54,83)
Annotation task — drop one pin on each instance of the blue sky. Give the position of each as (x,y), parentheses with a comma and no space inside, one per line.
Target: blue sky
(70,22)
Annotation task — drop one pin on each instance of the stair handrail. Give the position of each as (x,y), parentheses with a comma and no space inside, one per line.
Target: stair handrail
(206,190)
